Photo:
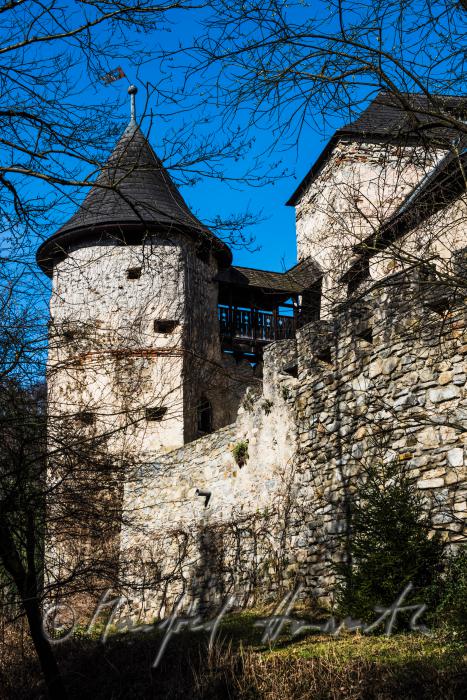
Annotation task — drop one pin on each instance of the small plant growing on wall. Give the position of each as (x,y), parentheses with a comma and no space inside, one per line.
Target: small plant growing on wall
(248,401)
(286,393)
(267,406)
(240,452)
(68,331)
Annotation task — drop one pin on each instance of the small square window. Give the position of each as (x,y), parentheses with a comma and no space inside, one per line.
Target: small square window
(291,370)
(427,272)
(69,334)
(155,413)
(86,417)
(133,273)
(365,333)
(165,326)
(324,354)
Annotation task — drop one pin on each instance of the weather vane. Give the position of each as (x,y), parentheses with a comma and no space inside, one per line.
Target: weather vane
(112,76)
(132,90)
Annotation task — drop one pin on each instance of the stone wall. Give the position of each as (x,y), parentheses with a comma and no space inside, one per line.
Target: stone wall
(105,357)
(383,380)
(209,517)
(434,242)
(205,375)
(358,188)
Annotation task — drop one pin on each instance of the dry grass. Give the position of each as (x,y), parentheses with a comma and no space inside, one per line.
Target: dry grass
(241,667)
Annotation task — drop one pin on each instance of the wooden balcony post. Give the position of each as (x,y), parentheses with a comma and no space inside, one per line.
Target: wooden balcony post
(295,315)
(233,310)
(274,315)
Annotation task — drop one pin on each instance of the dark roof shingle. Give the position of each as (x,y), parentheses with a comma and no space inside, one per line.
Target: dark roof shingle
(390,118)
(133,190)
(408,115)
(294,281)
(133,186)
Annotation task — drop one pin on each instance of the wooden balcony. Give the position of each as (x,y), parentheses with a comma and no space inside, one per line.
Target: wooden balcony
(248,330)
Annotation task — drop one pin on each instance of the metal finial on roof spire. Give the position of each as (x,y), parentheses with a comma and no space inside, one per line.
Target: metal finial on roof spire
(132,90)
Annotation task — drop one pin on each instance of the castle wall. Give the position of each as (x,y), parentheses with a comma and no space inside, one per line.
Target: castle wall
(400,397)
(434,242)
(359,187)
(384,380)
(264,503)
(201,545)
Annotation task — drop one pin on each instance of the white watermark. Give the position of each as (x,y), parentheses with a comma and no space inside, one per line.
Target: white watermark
(179,620)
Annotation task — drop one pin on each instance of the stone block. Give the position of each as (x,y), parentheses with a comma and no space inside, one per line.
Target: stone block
(435,473)
(430,483)
(375,368)
(445,378)
(426,375)
(447,393)
(451,477)
(358,450)
(455,457)
(428,438)
(389,365)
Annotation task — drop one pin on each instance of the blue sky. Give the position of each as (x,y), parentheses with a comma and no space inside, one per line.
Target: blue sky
(274,234)
(176,106)
(275,245)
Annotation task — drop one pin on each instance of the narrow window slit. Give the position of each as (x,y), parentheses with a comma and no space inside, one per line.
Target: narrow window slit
(165,326)
(204,416)
(204,494)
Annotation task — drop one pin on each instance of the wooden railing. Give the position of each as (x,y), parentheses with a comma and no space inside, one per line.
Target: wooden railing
(254,325)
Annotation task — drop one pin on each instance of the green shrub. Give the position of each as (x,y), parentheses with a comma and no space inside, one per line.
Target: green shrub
(389,545)
(240,452)
(451,612)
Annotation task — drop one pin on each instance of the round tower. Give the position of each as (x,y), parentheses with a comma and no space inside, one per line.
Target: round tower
(134,330)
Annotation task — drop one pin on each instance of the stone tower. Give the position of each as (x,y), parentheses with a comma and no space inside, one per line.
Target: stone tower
(134,351)
(361,178)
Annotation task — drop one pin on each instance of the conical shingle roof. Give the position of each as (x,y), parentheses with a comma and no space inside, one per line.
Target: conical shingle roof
(133,192)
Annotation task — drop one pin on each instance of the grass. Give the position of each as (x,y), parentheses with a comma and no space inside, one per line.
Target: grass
(398,649)
(440,650)
(241,666)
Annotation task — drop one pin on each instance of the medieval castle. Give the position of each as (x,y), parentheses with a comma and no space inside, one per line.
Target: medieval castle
(244,402)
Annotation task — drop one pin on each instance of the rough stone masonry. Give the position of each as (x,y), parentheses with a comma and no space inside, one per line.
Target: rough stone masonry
(278,520)
(244,403)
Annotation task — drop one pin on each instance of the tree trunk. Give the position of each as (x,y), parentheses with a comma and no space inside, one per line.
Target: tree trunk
(49,666)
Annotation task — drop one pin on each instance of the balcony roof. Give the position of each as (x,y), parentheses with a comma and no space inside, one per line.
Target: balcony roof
(265,288)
